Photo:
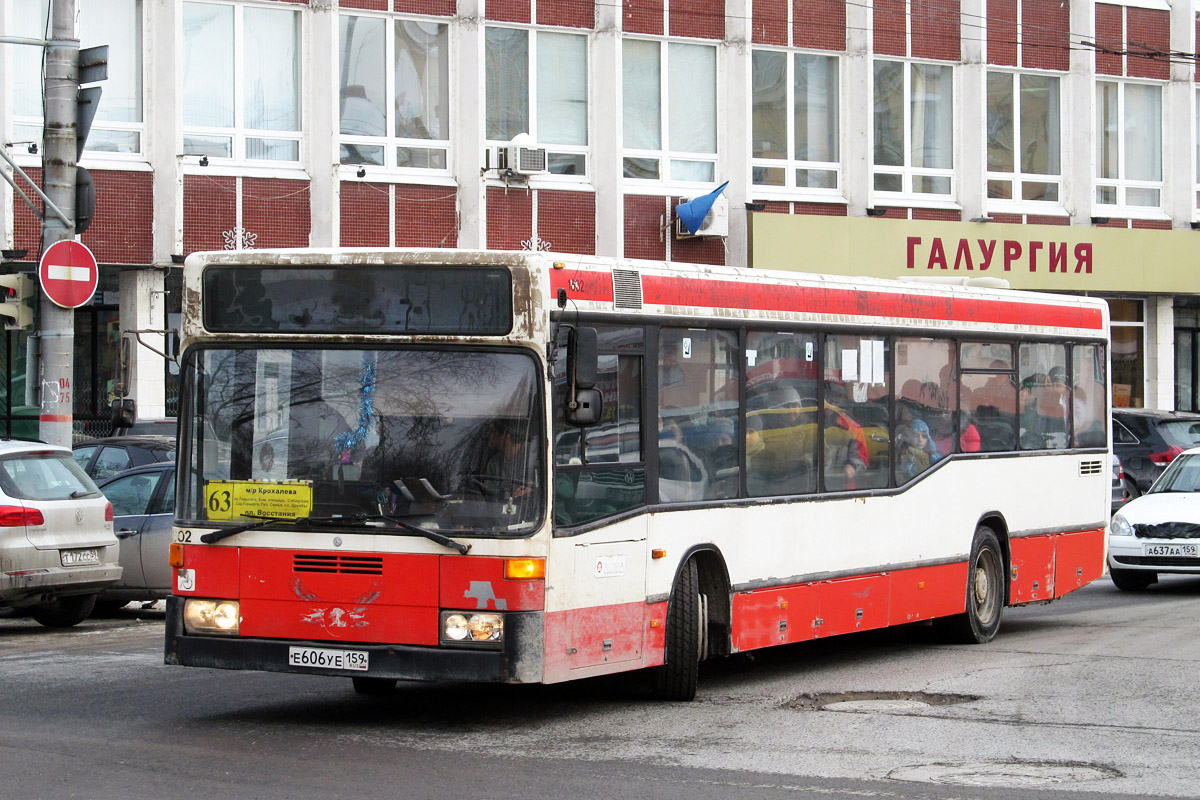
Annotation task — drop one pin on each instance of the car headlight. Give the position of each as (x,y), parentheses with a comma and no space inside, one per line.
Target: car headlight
(1120,526)
(460,627)
(211,616)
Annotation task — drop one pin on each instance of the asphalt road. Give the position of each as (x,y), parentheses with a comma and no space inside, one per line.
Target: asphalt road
(1091,696)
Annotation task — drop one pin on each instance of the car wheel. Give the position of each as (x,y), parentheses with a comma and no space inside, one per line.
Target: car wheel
(106,608)
(1131,490)
(985,594)
(65,611)
(1132,580)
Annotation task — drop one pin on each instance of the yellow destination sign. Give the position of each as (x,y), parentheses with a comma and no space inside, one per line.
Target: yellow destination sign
(231,499)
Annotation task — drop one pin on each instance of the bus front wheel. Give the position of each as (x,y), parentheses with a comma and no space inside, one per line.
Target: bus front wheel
(985,593)
(676,678)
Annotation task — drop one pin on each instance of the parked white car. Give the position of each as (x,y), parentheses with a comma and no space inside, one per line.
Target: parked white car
(57,547)
(1159,531)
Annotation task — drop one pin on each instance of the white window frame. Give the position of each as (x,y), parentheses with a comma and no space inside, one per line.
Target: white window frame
(239,134)
(1017,204)
(907,172)
(665,155)
(1121,183)
(789,164)
(583,150)
(390,142)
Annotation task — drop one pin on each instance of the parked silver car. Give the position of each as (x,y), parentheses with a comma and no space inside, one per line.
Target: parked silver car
(143,502)
(57,544)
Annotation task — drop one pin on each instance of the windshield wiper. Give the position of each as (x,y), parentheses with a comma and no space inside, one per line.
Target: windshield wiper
(360,519)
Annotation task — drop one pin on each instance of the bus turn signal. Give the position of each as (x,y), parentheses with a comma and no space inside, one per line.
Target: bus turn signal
(525,569)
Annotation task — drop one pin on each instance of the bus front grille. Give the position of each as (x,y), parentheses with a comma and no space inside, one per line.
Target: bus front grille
(338,564)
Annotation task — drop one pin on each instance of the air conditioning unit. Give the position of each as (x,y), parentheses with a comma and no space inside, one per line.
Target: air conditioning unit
(716,221)
(521,156)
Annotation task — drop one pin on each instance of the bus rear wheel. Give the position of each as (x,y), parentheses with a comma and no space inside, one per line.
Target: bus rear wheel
(985,593)
(676,678)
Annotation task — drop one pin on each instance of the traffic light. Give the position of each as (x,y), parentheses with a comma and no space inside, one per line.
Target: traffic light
(16,292)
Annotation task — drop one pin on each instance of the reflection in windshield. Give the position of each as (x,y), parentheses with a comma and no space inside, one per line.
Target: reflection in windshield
(446,439)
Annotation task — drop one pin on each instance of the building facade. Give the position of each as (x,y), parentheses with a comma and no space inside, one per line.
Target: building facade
(844,129)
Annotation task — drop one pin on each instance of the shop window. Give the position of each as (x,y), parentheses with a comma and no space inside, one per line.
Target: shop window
(914,128)
(537,84)
(795,121)
(1127,325)
(670,111)
(1023,137)
(394,104)
(1187,358)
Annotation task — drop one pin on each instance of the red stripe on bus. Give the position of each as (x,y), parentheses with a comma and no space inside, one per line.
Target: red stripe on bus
(697,292)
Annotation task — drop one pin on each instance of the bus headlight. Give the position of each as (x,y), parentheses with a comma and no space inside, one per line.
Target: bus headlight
(1120,526)
(460,627)
(211,616)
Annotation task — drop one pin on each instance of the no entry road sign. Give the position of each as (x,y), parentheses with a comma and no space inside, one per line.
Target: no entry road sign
(68,274)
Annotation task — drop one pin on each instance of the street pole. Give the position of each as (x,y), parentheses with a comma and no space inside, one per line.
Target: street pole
(58,175)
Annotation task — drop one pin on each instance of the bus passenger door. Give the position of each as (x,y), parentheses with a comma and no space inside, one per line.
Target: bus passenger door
(610,580)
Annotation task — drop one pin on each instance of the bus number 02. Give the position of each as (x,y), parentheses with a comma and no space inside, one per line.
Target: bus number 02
(219,501)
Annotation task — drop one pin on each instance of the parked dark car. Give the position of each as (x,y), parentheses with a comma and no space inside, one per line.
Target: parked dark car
(103,458)
(143,502)
(1147,441)
(1120,492)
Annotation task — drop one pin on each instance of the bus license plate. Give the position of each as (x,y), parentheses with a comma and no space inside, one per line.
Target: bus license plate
(324,658)
(1185,550)
(80,558)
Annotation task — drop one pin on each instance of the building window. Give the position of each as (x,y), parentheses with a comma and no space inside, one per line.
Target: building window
(1023,137)
(1187,357)
(914,133)
(670,104)
(117,127)
(1129,144)
(537,84)
(241,82)
(1127,324)
(795,120)
(394,94)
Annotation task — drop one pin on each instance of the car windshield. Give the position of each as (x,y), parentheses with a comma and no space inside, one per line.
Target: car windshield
(1183,475)
(44,476)
(446,439)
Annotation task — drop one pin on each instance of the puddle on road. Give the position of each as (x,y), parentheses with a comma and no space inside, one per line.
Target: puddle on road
(1008,775)
(877,702)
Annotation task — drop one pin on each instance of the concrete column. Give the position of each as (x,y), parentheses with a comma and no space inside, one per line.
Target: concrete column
(736,124)
(857,109)
(467,122)
(607,119)
(1079,129)
(321,124)
(1179,151)
(1160,352)
(972,111)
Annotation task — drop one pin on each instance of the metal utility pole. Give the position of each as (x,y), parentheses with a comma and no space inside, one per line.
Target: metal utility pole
(58,176)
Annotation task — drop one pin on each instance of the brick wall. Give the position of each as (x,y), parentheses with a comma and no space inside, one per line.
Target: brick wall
(937,214)
(819,24)
(571,13)
(1149,30)
(821,209)
(642,16)
(935,29)
(364,214)
(366,5)
(1002,32)
(27,228)
(643,215)
(1045,34)
(507,10)
(122,231)
(1109,36)
(278,211)
(441,8)
(890,25)
(509,218)
(769,23)
(209,209)
(427,216)
(567,220)
(701,19)
(698,250)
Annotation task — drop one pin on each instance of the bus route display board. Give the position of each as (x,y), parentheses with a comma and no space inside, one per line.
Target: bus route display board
(235,499)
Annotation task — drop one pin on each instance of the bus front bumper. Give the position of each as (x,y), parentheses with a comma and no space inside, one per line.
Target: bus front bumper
(519,660)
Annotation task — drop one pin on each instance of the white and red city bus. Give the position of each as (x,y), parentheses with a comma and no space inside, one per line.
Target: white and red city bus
(527,467)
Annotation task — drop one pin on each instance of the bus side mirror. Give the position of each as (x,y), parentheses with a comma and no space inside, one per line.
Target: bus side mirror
(123,413)
(586,410)
(582,358)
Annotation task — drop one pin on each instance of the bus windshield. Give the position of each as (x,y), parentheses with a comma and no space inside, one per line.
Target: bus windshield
(446,439)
